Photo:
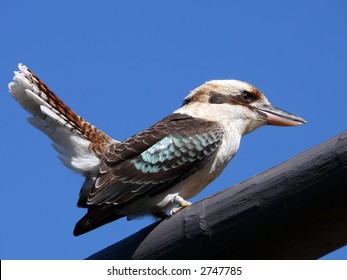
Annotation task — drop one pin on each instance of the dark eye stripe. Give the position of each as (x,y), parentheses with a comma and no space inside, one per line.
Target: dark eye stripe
(245,97)
(218,98)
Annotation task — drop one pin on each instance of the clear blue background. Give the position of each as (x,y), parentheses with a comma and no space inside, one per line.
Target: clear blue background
(124,65)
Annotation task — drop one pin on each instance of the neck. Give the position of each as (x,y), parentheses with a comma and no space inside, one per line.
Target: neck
(230,118)
(234,129)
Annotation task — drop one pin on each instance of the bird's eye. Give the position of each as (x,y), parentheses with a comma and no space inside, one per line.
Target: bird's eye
(246,96)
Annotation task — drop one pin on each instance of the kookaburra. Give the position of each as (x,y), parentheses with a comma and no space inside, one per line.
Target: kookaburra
(160,167)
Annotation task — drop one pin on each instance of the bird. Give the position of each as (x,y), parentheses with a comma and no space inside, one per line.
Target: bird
(157,171)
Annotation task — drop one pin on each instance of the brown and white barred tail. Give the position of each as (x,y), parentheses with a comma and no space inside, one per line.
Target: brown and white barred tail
(79,143)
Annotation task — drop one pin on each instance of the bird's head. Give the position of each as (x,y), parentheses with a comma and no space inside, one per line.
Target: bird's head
(237,102)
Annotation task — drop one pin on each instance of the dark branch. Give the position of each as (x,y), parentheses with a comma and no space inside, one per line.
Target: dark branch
(295,210)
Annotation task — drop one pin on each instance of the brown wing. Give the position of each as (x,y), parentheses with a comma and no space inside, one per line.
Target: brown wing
(147,164)
(154,160)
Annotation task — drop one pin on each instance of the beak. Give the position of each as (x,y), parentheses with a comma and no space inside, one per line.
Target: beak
(276,116)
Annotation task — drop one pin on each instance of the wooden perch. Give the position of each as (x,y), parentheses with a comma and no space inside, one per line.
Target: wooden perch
(295,210)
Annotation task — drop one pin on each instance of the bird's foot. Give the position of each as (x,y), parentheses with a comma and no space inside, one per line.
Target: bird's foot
(183,204)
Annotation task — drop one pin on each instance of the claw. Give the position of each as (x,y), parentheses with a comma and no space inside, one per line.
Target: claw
(173,211)
(183,204)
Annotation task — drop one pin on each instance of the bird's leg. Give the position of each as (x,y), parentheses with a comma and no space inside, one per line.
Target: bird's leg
(182,204)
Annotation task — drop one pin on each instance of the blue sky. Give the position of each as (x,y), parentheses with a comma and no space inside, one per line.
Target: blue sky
(123,65)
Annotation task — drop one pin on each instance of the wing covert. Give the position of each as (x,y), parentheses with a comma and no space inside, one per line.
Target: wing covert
(155,159)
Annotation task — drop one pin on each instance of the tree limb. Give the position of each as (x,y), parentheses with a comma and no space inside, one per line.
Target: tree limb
(295,210)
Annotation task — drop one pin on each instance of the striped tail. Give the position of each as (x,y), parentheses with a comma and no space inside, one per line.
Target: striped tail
(80,145)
